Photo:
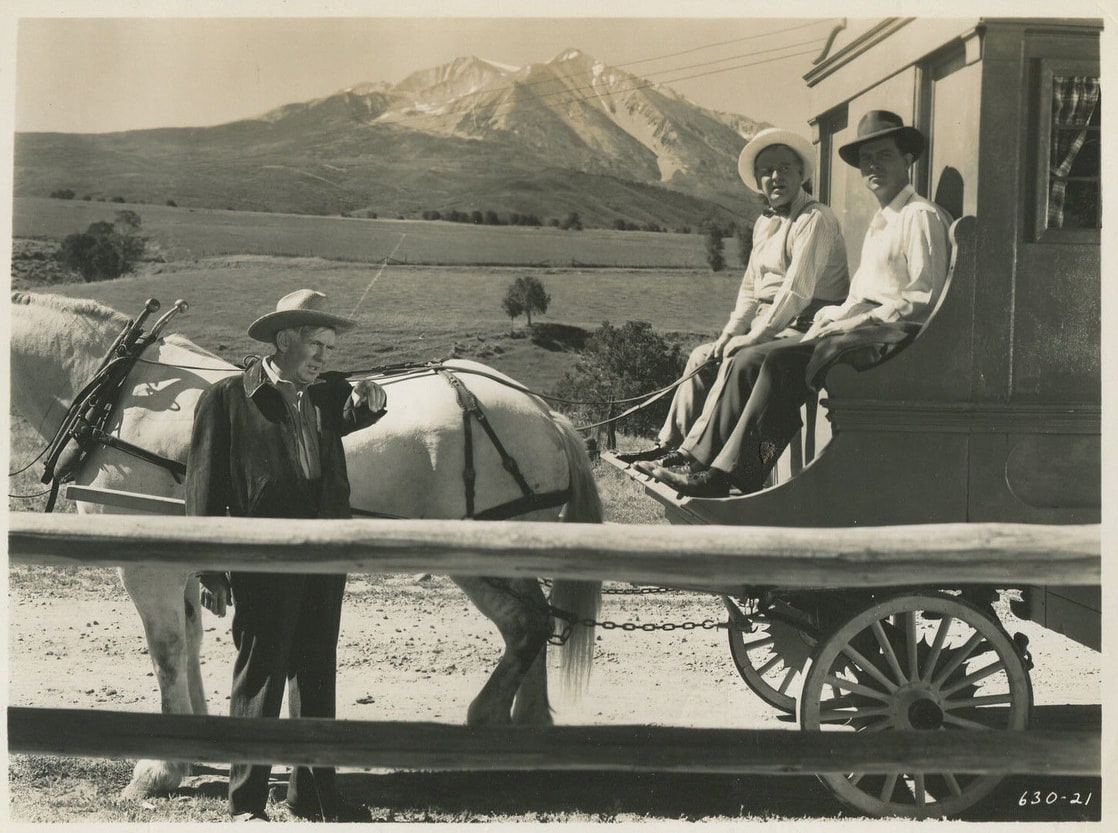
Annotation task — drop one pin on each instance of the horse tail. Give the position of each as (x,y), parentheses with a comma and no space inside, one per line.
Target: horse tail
(580,598)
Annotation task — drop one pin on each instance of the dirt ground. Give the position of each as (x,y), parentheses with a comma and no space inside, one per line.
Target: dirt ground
(413,648)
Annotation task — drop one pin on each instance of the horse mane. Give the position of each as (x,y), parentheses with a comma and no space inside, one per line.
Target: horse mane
(76,306)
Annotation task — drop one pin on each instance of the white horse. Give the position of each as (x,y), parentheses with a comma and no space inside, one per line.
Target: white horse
(410,464)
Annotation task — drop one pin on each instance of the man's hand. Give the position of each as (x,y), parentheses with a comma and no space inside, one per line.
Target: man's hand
(369,393)
(737,343)
(716,349)
(844,325)
(217,594)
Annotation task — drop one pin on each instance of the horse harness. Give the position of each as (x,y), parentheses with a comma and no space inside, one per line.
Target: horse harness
(529,501)
(83,428)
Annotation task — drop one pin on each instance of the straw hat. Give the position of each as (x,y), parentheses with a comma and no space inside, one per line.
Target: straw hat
(766,139)
(302,308)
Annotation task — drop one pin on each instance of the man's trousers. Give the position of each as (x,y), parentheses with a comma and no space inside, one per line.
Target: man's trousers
(285,629)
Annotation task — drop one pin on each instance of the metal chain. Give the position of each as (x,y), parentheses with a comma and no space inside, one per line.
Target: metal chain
(633,591)
(569,621)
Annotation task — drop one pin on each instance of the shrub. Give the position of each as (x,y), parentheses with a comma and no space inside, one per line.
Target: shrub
(62,194)
(622,362)
(104,250)
(117,199)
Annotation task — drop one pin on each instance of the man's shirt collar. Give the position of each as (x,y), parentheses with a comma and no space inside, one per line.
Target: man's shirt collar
(897,203)
(790,208)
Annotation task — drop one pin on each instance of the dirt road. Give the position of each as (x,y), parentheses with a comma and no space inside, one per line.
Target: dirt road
(415,649)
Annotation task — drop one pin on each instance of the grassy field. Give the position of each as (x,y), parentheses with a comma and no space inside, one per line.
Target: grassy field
(188,233)
(421,313)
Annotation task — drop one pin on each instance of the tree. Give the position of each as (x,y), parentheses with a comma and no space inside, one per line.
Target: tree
(713,245)
(62,194)
(745,243)
(622,362)
(524,296)
(572,223)
(104,250)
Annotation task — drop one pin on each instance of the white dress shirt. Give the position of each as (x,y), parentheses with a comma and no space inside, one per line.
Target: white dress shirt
(904,263)
(777,287)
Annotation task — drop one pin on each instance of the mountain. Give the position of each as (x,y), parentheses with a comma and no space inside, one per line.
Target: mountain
(546,139)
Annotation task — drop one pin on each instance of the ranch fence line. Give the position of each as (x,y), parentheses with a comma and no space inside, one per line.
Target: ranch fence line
(699,558)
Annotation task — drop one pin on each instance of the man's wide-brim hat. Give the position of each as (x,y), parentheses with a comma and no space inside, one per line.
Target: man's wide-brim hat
(766,139)
(877,124)
(302,308)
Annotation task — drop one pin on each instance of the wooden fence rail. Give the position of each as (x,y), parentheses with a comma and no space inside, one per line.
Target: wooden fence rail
(632,748)
(701,558)
(940,554)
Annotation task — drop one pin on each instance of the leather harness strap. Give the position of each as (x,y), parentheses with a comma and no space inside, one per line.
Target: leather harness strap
(472,408)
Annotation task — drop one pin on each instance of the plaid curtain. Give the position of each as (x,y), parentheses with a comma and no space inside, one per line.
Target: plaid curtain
(1074,99)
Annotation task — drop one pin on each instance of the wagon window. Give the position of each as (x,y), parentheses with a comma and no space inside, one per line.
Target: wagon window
(1074,153)
(1066,197)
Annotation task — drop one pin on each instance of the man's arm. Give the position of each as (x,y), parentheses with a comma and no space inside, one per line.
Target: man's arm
(925,247)
(208,486)
(813,239)
(344,407)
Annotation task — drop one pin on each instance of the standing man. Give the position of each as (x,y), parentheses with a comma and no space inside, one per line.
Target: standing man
(268,444)
(900,276)
(797,265)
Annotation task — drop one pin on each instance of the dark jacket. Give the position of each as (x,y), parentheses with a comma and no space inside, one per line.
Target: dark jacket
(243,459)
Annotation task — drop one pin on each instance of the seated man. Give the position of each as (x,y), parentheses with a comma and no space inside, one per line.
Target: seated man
(797,265)
(901,273)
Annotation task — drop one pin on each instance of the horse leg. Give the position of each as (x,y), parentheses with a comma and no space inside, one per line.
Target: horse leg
(519,611)
(158,596)
(193,612)
(531,707)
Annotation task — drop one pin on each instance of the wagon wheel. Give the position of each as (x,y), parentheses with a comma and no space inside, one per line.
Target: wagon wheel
(770,652)
(918,661)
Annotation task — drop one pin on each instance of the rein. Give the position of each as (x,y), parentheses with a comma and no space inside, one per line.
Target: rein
(410,369)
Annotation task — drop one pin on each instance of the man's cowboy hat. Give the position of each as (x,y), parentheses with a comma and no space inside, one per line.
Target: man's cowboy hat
(302,308)
(877,124)
(766,139)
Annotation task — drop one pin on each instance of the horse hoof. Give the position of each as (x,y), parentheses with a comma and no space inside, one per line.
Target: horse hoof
(152,778)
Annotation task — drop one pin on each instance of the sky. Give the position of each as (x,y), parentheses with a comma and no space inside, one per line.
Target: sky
(88,75)
(84,66)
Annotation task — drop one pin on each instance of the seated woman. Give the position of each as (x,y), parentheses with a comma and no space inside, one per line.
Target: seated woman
(740,436)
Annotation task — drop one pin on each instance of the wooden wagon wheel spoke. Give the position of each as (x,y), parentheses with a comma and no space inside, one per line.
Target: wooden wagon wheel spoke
(888,652)
(856,688)
(869,667)
(771,663)
(917,661)
(937,648)
(971,679)
(959,658)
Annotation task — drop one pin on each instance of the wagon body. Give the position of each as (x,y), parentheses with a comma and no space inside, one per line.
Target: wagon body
(993,413)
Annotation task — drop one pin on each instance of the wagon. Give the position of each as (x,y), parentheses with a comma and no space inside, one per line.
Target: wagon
(989,413)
